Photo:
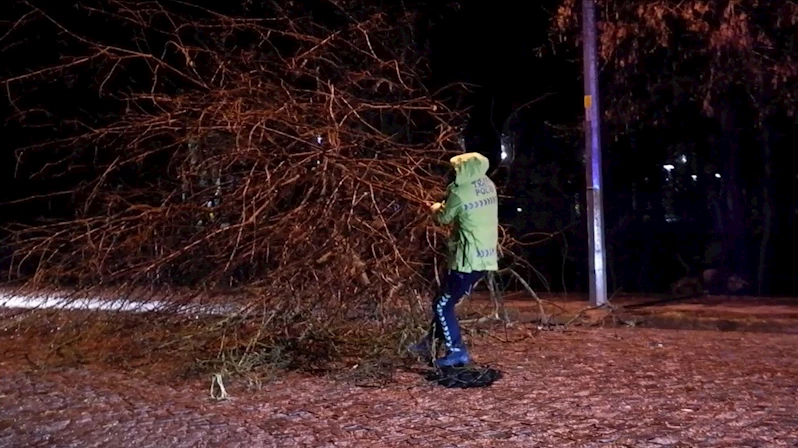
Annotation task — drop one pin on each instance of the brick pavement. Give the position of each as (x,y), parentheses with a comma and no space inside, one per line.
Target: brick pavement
(584,388)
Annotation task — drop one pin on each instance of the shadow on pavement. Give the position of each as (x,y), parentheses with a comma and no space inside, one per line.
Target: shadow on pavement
(463,377)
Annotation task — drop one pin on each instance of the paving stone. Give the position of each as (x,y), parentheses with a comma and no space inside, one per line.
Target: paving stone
(583,388)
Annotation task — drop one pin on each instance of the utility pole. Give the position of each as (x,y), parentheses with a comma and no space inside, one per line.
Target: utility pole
(595,206)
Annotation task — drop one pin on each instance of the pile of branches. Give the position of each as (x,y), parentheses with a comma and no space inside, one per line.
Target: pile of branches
(287,158)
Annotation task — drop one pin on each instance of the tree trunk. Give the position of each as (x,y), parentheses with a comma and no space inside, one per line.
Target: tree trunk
(767,208)
(733,241)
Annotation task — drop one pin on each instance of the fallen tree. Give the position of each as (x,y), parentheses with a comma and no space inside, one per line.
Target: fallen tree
(283,162)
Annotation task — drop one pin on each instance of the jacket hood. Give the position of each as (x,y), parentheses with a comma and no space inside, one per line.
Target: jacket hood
(469,166)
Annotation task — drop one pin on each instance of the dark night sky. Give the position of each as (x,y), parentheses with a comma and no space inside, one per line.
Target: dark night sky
(495,45)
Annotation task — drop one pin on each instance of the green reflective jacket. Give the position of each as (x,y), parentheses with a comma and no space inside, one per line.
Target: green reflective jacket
(471,207)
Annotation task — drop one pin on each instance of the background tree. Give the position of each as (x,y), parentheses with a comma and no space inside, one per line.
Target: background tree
(718,77)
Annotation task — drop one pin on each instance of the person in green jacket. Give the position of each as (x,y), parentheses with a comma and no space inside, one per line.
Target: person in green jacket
(471,209)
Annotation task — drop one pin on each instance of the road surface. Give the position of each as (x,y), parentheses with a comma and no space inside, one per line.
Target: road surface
(583,388)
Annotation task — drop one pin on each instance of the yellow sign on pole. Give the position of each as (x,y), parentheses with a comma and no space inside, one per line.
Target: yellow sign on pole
(588,101)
